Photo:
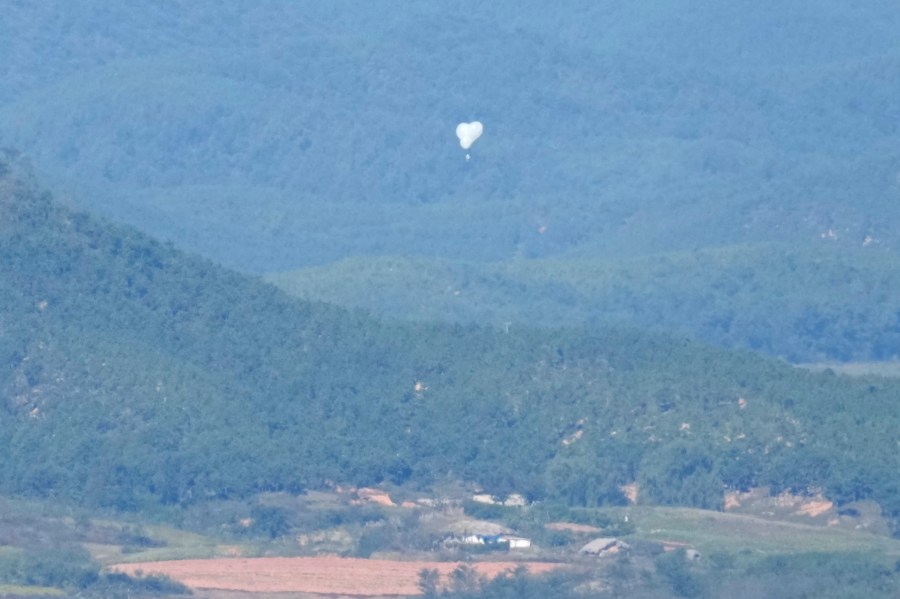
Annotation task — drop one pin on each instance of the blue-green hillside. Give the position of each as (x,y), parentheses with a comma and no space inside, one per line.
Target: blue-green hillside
(134,374)
(824,303)
(270,136)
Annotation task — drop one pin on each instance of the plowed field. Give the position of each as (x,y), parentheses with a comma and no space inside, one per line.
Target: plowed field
(321,575)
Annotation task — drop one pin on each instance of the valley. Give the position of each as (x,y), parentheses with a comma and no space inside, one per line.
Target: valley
(344,543)
(450,299)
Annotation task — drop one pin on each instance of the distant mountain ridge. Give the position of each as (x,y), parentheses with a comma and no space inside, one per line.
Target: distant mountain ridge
(806,304)
(275,137)
(133,374)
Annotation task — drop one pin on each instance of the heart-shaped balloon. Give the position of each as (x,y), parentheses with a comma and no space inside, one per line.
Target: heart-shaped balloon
(468,133)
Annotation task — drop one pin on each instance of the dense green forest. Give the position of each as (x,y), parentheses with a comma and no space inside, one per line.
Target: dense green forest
(721,172)
(805,305)
(673,204)
(136,375)
(279,135)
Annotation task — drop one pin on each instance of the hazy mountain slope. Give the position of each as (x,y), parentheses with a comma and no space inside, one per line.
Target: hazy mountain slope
(275,136)
(133,373)
(805,305)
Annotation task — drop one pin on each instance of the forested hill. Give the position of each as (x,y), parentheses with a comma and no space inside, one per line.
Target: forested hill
(132,373)
(803,304)
(271,136)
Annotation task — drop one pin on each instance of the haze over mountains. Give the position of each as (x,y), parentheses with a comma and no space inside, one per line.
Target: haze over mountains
(804,304)
(758,141)
(243,256)
(274,137)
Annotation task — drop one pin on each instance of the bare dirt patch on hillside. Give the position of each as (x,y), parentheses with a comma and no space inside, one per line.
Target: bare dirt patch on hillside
(320,575)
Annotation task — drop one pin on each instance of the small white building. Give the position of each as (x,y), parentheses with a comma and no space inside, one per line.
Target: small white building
(603,546)
(515,500)
(484,498)
(516,542)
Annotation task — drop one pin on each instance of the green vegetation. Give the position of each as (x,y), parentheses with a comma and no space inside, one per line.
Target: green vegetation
(804,304)
(829,575)
(465,583)
(653,184)
(715,532)
(273,137)
(671,575)
(56,549)
(49,567)
(135,375)
(885,369)
(43,570)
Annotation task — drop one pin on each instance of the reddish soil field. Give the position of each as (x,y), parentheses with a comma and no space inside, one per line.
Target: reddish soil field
(320,575)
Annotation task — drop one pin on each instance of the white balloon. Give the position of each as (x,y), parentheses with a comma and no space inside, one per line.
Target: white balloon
(468,133)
